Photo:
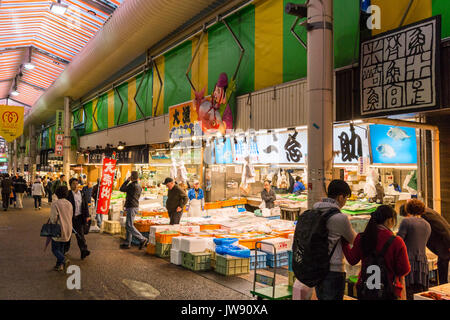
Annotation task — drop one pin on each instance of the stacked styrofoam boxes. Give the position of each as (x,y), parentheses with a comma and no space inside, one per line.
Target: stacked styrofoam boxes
(193,244)
(176,255)
(282,245)
(155,229)
(189,229)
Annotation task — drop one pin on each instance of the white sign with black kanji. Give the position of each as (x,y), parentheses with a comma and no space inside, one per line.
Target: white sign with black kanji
(399,68)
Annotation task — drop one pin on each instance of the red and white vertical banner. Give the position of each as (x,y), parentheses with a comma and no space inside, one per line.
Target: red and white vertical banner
(106,185)
(59,143)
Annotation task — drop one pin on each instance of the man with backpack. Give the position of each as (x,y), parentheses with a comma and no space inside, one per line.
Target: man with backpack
(318,260)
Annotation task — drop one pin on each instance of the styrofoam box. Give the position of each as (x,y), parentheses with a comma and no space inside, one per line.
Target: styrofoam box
(281,245)
(210,245)
(193,244)
(176,257)
(291,239)
(176,242)
(187,229)
(123,221)
(155,229)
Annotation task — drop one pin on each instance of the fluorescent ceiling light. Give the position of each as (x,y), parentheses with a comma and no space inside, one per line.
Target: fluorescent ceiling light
(29,66)
(15,93)
(58,8)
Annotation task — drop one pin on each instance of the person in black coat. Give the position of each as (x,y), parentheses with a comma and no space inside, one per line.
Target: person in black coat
(80,215)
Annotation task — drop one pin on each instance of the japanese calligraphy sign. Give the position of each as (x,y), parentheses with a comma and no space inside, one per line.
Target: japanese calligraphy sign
(183,121)
(59,143)
(350,143)
(399,69)
(106,185)
(59,121)
(11,122)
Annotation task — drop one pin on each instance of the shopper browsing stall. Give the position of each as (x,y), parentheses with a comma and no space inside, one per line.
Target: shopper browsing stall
(176,200)
(196,200)
(133,190)
(268,195)
(298,186)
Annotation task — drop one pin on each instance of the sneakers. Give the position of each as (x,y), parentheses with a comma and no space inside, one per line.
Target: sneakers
(124,246)
(84,254)
(143,244)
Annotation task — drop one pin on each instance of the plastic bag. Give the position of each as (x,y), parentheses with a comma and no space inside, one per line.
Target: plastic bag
(225,241)
(234,251)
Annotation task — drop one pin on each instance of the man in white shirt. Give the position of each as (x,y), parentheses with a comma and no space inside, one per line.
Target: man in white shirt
(80,215)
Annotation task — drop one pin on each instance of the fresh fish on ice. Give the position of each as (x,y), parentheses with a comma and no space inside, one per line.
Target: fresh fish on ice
(386,150)
(397,134)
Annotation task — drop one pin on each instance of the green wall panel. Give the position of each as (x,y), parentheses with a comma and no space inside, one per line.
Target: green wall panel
(223,52)
(123,91)
(346,32)
(144,95)
(102,112)
(442,7)
(294,54)
(88,110)
(176,86)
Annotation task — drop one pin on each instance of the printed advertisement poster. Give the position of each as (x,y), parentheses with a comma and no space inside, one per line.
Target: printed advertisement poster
(223,151)
(393,145)
(350,143)
(11,122)
(183,121)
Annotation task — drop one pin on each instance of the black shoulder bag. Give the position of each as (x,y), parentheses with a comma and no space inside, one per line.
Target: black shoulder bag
(51,229)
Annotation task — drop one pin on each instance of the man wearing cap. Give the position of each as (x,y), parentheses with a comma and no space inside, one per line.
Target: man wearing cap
(196,200)
(133,190)
(176,200)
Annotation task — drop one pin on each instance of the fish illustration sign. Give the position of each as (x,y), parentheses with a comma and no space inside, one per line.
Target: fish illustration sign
(393,145)
(11,122)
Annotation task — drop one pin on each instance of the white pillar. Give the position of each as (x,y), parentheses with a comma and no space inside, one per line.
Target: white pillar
(320,98)
(66,148)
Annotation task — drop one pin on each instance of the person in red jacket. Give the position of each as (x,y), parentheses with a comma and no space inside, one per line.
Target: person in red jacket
(377,233)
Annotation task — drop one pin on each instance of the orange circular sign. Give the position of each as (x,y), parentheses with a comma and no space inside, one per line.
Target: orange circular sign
(10,117)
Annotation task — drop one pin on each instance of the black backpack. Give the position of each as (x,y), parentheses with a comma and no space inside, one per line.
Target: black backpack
(311,261)
(386,289)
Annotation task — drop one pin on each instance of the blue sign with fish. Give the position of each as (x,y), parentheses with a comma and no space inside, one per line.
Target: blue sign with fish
(223,151)
(393,145)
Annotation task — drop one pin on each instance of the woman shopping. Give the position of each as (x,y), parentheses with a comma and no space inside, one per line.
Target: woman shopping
(196,201)
(37,191)
(61,212)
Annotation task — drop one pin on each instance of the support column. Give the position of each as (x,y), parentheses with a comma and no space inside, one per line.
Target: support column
(16,165)
(320,98)
(66,148)
(10,158)
(32,164)
(22,156)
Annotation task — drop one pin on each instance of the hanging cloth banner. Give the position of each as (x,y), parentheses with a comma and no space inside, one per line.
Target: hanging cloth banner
(106,185)
(11,122)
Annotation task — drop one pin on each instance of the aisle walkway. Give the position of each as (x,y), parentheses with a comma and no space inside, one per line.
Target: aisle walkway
(108,273)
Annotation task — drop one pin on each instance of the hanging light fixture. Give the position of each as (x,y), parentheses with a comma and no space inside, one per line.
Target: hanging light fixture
(58,8)
(121,145)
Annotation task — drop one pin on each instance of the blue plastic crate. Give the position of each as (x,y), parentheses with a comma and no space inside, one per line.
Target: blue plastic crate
(280,256)
(262,256)
(280,263)
(290,260)
(259,265)
(241,210)
(273,217)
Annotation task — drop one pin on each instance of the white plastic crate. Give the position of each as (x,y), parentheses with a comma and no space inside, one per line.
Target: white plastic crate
(193,244)
(281,245)
(176,242)
(176,257)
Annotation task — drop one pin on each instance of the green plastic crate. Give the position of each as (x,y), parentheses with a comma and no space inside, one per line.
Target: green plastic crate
(163,250)
(231,266)
(197,261)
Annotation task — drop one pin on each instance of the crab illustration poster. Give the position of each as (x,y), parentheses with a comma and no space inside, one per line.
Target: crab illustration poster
(393,145)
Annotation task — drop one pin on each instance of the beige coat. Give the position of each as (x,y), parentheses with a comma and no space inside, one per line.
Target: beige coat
(64,208)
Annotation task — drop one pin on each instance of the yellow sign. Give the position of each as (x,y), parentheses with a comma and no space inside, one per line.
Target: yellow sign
(11,122)
(183,121)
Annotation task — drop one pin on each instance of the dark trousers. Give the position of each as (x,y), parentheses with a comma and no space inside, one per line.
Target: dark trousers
(49,193)
(442,265)
(175,217)
(332,287)
(5,200)
(79,224)
(37,201)
(59,249)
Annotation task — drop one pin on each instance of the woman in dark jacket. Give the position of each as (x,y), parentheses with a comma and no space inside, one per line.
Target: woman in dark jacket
(268,195)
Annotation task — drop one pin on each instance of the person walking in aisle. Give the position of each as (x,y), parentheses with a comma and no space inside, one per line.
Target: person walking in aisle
(13,196)
(20,186)
(6,191)
(376,236)
(415,231)
(439,241)
(59,183)
(37,190)
(80,215)
(133,189)
(49,189)
(62,211)
(98,216)
(338,225)
(176,200)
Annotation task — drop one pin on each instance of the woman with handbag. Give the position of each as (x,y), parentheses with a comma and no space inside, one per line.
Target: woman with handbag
(61,212)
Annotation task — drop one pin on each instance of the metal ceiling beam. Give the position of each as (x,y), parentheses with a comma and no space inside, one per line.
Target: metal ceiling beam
(32,85)
(100,6)
(9,98)
(46,53)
